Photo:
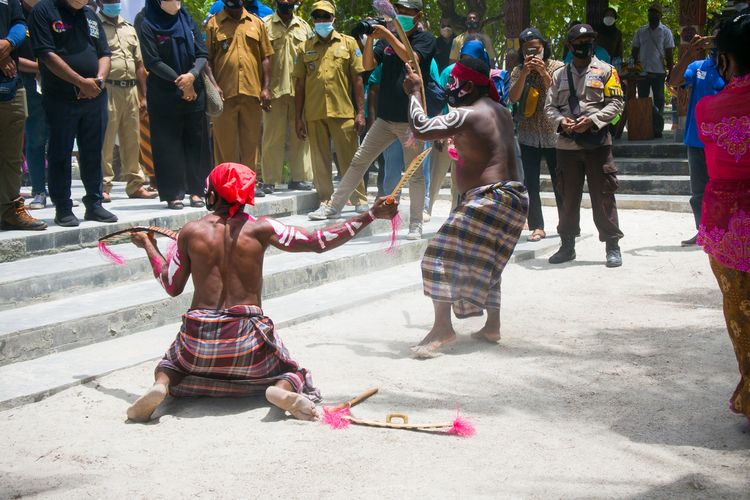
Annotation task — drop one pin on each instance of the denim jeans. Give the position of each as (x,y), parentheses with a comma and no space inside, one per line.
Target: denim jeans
(37,135)
(698,180)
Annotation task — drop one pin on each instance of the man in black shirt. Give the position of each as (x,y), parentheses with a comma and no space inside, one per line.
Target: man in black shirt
(70,43)
(392,121)
(13,214)
(444,44)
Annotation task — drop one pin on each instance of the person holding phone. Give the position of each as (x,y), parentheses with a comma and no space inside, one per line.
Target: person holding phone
(529,83)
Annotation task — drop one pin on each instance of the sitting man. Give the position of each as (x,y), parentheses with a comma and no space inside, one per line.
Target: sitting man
(226,346)
(463,262)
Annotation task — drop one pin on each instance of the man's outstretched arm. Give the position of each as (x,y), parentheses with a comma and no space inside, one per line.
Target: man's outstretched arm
(298,239)
(172,272)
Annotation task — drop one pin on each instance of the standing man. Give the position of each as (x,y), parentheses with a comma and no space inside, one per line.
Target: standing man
(287,33)
(703,79)
(392,122)
(328,66)
(444,44)
(126,91)
(653,47)
(239,52)
(70,42)
(584,97)
(473,27)
(13,214)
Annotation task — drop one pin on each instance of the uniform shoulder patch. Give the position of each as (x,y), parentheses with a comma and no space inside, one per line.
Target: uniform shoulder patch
(613,88)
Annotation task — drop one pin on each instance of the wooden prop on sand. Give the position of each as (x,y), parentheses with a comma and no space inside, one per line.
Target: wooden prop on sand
(125,235)
(335,416)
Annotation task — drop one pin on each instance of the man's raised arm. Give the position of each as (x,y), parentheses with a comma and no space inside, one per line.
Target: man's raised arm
(174,270)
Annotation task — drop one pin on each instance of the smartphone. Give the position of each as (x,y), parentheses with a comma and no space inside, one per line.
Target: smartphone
(708,42)
(532,51)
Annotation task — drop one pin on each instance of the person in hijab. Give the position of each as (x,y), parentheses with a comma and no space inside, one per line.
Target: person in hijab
(174,55)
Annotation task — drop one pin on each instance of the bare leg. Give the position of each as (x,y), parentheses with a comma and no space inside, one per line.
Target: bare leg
(442,333)
(145,406)
(283,396)
(490,332)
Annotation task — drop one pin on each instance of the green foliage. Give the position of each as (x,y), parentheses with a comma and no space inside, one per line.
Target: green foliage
(198,9)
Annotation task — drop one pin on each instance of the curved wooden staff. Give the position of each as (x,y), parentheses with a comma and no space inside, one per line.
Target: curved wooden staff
(413,166)
(124,235)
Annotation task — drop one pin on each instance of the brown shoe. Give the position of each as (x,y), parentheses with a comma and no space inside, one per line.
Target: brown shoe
(144,193)
(106,198)
(16,217)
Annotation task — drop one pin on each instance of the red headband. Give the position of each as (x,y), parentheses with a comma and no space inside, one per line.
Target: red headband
(464,73)
(235,183)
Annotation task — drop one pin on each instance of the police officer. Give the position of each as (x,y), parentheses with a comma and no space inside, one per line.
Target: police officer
(70,42)
(328,66)
(584,97)
(13,214)
(126,90)
(287,33)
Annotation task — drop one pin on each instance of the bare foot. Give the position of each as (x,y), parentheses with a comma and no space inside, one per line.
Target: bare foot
(433,342)
(488,334)
(298,405)
(144,407)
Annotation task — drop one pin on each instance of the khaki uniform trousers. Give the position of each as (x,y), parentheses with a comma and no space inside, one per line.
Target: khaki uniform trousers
(279,137)
(345,139)
(237,131)
(380,136)
(123,121)
(13,113)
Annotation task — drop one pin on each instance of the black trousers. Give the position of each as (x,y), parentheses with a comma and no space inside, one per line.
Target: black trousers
(84,120)
(597,167)
(179,144)
(698,181)
(531,157)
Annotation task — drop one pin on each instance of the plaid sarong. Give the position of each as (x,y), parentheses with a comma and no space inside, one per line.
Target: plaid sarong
(232,352)
(463,262)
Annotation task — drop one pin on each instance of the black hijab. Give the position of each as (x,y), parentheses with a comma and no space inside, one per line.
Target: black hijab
(177,28)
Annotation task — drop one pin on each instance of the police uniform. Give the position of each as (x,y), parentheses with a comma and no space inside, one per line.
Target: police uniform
(328,68)
(123,108)
(278,129)
(78,38)
(600,98)
(236,49)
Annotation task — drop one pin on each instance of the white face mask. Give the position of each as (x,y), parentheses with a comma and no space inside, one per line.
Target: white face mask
(609,21)
(171,7)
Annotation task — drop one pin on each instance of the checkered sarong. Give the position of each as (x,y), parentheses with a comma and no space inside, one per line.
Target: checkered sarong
(463,262)
(232,352)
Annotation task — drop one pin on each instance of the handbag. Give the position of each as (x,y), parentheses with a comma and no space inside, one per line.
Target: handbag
(590,138)
(529,100)
(214,104)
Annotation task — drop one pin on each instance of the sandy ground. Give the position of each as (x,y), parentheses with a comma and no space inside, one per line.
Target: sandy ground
(607,383)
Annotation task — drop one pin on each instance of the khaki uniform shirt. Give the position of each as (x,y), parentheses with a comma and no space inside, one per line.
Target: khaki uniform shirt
(329,68)
(236,49)
(599,95)
(286,42)
(458,42)
(123,42)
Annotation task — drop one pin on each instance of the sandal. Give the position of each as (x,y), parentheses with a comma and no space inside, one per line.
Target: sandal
(195,201)
(537,235)
(175,205)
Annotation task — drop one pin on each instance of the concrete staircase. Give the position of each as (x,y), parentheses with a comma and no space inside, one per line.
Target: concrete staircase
(68,316)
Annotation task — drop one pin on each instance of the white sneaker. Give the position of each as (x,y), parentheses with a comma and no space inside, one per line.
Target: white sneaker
(426,217)
(323,212)
(362,208)
(415,231)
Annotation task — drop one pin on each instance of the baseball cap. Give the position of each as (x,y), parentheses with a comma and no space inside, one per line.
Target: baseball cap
(325,6)
(411,4)
(580,30)
(530,34)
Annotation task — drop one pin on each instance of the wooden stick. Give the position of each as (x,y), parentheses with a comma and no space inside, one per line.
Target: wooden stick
(413,166)
(412,59)
(355,401)
(392,425)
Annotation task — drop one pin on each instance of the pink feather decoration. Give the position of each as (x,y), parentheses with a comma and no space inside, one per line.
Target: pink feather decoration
(384,8)
(335,417)
(462,427)
(108,254)
(395,225)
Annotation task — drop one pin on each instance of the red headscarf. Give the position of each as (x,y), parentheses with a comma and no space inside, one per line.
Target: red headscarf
(235,183)
(464,73)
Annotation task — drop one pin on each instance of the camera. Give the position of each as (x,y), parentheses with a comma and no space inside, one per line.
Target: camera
(365,26)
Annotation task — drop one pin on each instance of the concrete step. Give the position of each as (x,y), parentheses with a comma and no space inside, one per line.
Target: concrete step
(641,184)
(666,203)
(15,245)
(652,166)
(657,148)
(29,381)
(48,277)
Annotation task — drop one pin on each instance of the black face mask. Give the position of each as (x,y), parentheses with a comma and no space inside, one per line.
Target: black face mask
(582,51)
(653,19)
(284,8)
(453,95)
(472,25)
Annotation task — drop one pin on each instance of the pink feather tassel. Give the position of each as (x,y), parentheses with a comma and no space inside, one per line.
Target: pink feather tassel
(395,225)
(462,427)
(385,8)
(335,417)
(108,254)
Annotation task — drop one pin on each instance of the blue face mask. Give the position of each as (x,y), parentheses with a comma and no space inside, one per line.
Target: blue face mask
(407,22)
(323,29)
(111,9)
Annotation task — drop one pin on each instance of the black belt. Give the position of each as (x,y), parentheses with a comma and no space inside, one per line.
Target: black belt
(121,83)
